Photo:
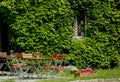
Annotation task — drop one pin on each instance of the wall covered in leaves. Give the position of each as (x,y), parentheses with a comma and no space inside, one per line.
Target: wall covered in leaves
(42,25)
(101,47)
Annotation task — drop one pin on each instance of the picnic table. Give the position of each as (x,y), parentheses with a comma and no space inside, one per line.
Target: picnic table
(26,65)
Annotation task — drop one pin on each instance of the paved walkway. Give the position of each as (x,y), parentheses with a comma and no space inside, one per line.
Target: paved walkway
(99,80)
(3,78)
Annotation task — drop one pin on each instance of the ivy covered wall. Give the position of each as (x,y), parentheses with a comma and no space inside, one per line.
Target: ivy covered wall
(101,47)
(42,25)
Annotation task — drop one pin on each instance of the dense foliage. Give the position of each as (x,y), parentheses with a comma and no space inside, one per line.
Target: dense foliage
(101,48)
(40,26)
(46,26)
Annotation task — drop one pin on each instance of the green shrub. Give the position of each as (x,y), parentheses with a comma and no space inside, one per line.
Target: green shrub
(39,25)
(89,53)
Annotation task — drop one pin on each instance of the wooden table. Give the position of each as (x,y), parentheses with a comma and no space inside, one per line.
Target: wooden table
(36,65)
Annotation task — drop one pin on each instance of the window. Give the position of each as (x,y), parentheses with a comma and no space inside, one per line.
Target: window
(79,26)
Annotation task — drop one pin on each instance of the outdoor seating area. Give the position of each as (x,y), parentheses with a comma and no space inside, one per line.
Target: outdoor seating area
(31,66)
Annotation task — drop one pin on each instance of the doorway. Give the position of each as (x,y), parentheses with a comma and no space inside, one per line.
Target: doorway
(3,36)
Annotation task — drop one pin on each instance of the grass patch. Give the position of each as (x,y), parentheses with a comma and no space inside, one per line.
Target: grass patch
(100,74)
(10,80)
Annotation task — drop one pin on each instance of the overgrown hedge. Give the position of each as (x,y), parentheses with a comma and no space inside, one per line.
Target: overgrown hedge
(101,48)
(46,26)
(89,53)
(40,25)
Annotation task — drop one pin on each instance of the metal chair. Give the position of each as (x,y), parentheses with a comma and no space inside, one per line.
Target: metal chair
(18,65)
(3,56)
(56,64)
(38,54)
(59,59)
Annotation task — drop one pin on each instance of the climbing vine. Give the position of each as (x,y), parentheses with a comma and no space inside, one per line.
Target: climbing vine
(46,26)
